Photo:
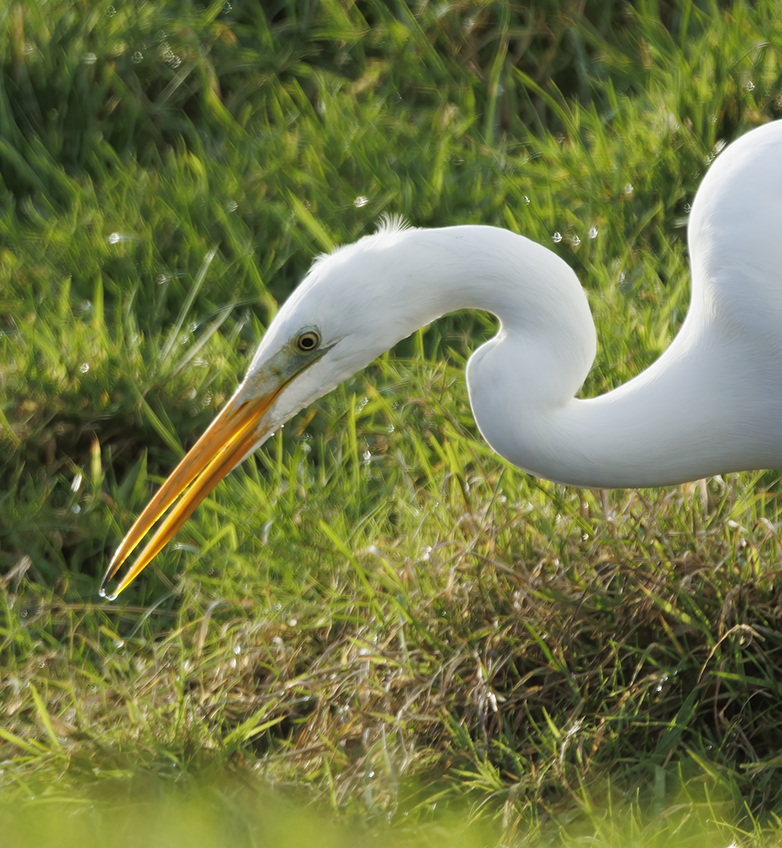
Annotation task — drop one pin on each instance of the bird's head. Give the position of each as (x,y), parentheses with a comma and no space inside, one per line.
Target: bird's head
(336,322)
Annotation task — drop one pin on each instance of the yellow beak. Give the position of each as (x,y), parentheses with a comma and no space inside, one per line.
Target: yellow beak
(230,437)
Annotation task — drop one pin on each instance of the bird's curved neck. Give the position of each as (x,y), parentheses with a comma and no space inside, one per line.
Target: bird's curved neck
(676,421)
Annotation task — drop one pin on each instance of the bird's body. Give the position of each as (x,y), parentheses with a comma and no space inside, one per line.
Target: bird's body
(712,403)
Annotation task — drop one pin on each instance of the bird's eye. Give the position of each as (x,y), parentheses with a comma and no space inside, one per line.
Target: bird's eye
(308,341)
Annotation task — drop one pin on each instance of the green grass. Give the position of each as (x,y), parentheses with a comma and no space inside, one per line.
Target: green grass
(375,618)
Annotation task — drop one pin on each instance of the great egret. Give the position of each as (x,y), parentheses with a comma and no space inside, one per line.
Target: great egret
(712,403)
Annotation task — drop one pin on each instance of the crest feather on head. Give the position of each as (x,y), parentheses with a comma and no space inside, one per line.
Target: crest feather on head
(388,226)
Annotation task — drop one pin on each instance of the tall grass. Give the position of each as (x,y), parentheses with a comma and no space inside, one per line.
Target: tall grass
(375,609)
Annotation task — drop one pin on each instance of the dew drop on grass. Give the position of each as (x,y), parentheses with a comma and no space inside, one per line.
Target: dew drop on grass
(111,11)
(167,54)
(76,484)
(137,57)
(116,238)
(556,238)
(593,232)
(575,241)
(84,367)
(360,201)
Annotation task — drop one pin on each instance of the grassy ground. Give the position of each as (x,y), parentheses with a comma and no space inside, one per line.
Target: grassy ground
(375,615)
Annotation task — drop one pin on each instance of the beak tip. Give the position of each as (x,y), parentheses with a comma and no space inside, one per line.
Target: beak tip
(107,578)
(231,436)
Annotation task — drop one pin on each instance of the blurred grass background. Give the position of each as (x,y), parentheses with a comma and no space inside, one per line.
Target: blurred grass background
(375,618)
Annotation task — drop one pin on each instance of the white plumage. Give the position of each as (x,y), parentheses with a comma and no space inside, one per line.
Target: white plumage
(711,404)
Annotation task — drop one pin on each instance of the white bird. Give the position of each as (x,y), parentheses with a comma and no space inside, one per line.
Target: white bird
(712,403)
